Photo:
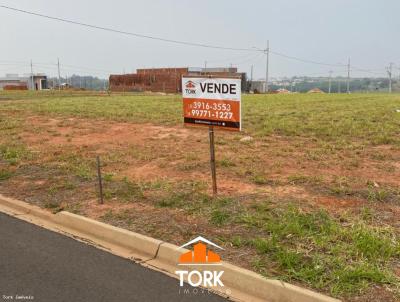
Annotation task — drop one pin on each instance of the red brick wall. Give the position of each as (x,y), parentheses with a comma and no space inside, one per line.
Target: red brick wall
(15,87)
(155,79)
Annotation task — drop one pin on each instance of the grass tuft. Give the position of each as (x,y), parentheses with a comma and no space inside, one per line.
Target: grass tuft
(5,174)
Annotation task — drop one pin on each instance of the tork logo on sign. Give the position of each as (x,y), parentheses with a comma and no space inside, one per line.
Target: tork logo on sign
(200,255)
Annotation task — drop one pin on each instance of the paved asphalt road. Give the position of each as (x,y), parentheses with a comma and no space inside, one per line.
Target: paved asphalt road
(52,267)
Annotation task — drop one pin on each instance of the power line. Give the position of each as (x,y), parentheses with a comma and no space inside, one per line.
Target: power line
(52,66)
(253,49)
(353,68)
(126,32)
(246,59)
(86,68)
(304,60)
(251,59)
(320,75)
(230,59)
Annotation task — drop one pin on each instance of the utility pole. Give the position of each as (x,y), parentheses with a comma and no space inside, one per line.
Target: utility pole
(251,78)
(348,76)
(399,73)
(205,66)
(330,81)
(389,71)
(267,67)
(32,84)
(59,75)
(339,84)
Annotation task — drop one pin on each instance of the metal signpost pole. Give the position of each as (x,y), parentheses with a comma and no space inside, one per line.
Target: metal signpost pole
(100,180)
(212,159)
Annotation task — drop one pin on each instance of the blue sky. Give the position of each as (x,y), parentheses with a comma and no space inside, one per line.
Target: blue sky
(325,31)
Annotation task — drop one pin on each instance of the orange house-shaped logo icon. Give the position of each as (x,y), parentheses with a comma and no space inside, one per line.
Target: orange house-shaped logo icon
(190,85)
(200,254)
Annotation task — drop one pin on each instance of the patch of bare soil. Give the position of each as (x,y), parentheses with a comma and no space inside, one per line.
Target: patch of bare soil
(271,167)
(168,224)
(161,153)
(376,294)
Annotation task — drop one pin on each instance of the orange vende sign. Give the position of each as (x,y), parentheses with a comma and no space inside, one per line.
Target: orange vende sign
(209,101)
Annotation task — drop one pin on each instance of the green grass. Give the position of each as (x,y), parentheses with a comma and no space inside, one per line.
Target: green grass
(340,254)
(5,174)
(343,119)
(225,162)
(262,180)
(187,195)
(13,153)
(123,190)
(122,108)
(219,217)
(78,165)
(304,179)
(322,251)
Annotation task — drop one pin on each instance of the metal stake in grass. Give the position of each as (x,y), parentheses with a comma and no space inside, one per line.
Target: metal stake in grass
(212,159)
(100,180)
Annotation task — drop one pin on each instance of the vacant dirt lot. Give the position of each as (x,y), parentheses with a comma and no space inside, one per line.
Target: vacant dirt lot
(277,165)
(319,207)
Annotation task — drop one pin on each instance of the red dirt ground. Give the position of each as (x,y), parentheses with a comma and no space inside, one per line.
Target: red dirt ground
(148,153)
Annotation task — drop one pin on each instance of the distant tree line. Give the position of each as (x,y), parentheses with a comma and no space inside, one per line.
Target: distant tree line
(80,82)
(295,84)
(338,84)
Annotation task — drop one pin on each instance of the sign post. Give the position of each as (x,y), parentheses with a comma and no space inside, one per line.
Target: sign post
(212,102)
(99,178)
(212,159)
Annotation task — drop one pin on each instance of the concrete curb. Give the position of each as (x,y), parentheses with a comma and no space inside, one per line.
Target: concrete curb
(242,284)
(119,241)
(135,243)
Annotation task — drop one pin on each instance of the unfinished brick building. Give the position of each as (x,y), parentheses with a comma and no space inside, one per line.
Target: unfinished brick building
(166,80)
